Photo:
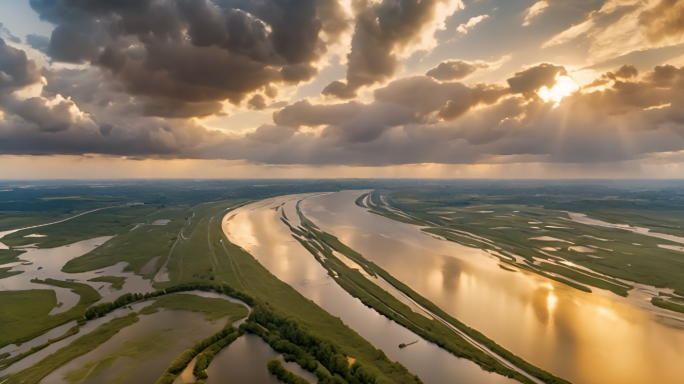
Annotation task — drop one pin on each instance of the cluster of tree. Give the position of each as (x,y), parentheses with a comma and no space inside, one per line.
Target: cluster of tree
(123,300)
(205,358)
(179,363)
(290,337)
(275,367)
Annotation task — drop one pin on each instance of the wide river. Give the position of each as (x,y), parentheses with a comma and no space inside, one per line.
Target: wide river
(258,229)
(585,338)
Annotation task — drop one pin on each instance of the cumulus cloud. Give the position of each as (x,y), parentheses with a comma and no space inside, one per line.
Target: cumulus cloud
(455,69)
(149,70)
(505,124)
(535,10)
(532,79)
(16,70)
(183,58)
(382,31)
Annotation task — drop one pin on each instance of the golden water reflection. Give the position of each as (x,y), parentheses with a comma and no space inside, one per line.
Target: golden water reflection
(585,338)
(259,230)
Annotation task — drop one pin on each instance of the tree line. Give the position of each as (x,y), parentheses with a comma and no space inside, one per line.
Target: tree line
(291,338)
(275,367)
(100,310)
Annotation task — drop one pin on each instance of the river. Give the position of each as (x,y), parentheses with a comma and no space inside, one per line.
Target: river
(582,337)
(258,229)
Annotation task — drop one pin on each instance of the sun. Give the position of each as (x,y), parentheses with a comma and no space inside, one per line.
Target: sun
(565,85)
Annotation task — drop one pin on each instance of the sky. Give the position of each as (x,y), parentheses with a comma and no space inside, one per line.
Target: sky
(341,88)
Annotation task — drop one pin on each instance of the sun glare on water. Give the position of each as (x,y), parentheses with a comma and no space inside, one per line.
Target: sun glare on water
(565,85)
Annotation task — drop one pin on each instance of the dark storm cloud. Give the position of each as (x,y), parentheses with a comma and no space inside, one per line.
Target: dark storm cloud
(182,57)
(16,70)
(454,70)
(380,30)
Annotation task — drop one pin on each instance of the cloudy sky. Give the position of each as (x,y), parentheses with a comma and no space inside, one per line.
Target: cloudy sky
(341,88)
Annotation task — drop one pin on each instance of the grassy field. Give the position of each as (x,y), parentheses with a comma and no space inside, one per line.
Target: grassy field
(17,307)
(116,281)
(5,272)
(79,347)
(137,246)
(24,314)
(215,309)
(106,222)
(142,350)
(9,256)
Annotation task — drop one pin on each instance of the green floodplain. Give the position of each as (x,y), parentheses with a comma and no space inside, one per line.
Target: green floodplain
(169,232)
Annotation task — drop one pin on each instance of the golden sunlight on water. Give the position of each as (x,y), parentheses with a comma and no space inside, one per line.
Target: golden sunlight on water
(258,229)
(582,337)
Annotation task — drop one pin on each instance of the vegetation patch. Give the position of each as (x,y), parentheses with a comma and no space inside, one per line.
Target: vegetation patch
(140,350)
(9,256)
(658,302)
(5,273)
(586,279)
(402,345)
(79,347)
(24,314)
(6,363)
(116,281)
